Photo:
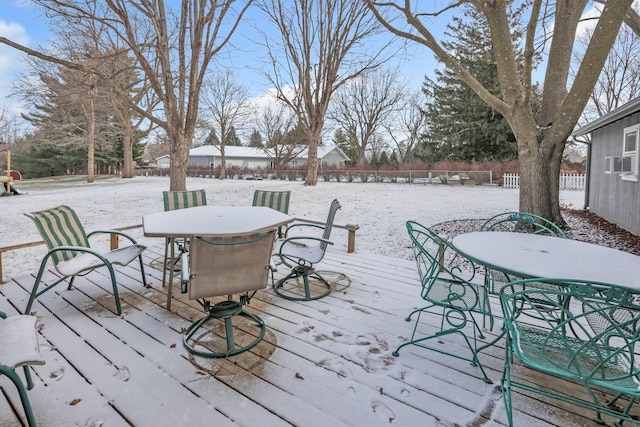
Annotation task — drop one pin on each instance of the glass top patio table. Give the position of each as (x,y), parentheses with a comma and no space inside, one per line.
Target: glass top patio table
(533,255)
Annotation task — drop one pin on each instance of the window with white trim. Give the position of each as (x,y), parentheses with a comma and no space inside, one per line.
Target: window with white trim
(630,153)
(607,164)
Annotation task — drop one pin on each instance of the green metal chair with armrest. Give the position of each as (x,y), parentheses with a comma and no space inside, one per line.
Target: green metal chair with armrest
(19,348)
(224,267)
(590,338)
(301,253)
(71,253)
(449,292)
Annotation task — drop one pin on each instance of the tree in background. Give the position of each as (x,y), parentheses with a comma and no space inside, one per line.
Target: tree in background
(461,125)
(619,81)
(283,140)
(173,48)
(212,138)
(346,144)
(362,106)
(225,103)
(255,140)
(541,137)
(406,127)
(322,47)
(105,130)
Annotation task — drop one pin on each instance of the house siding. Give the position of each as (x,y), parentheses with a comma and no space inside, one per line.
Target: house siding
(611,197)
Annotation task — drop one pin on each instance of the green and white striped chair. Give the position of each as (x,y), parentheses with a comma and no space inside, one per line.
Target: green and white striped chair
(174,200)
(71,253)
(278,200)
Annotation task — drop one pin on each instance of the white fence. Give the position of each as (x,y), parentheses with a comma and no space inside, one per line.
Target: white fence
(567,181)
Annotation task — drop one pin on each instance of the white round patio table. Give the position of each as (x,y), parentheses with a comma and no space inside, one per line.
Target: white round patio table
(533,255)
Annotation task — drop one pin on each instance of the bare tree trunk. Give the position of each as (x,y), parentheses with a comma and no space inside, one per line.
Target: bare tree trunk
(223,161)
(127,148)
(312,157)
(179,156)
(540,179)
(91,135)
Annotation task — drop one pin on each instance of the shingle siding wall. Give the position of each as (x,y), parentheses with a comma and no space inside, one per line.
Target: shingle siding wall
(611,197)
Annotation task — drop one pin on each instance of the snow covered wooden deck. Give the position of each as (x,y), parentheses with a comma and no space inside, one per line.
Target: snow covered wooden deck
(322,363)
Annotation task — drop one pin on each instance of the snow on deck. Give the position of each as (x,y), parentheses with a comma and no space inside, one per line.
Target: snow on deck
(324,362)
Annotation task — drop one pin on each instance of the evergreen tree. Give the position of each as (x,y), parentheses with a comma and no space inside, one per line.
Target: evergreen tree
(374,161)
(256,139)
(212,138)
(384,159)
(394,159)
(461,125)
(348,146)
(232,137)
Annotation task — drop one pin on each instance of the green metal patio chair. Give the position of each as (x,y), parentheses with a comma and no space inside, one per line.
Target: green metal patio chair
(590,338)
(178,200)
(450,294)
(223,267)
(71,253)
(19,348)
(519,222)
(301,253)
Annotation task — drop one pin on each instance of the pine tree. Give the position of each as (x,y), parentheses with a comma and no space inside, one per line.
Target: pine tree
(348,146)
(256,139)
(212,138)
(461,125)
(232,138)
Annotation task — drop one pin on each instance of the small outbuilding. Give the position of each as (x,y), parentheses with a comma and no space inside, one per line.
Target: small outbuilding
(613,184)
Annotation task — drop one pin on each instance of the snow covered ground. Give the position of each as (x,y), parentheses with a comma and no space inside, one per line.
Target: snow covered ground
(380,209)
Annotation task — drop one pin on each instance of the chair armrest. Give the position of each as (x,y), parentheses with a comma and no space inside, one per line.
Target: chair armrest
(119,233)
(304,224)
(293,238)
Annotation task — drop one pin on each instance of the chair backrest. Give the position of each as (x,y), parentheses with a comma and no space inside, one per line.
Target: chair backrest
(522,222)
(335,205)
(225,266)
(278,200)
(584,331)
(60,226)
(443,282)
(183,199)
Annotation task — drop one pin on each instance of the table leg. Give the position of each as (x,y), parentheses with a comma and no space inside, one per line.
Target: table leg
(169,291)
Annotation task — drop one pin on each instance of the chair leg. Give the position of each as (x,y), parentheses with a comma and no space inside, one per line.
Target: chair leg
(457,320)
(34,292)
(305,272)
(144,276)
(224,311)
(22,391)
(114,285)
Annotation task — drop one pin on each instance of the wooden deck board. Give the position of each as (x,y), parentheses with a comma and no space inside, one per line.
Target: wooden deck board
(324,362)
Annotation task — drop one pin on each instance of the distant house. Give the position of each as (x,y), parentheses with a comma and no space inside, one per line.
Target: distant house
(613,166)
(328,156)
(254,158)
